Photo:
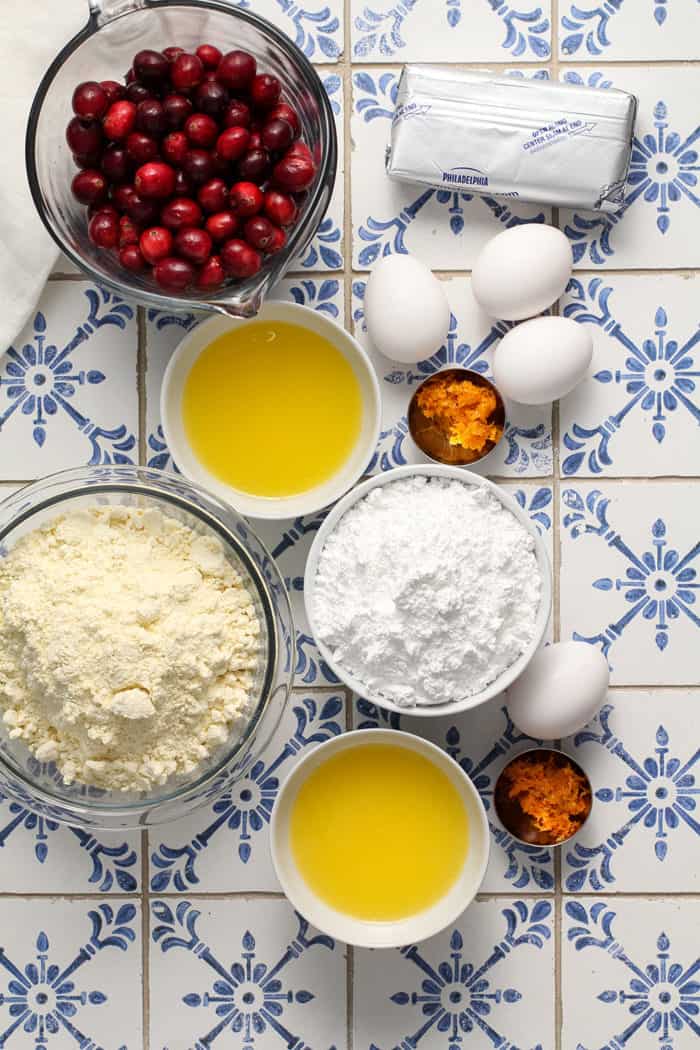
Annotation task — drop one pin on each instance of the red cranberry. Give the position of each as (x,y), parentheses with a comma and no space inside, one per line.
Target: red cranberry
(182,211)
(278,242)
(141,211)
(237,114)
(119,120)
(151,67)
(265,91)
(129,232)
(103,230)
(259,232)
(130,77)
(174,147)
(84,136)
(141,148)
(300,149)
(255,140)
(254,164)
(90,100)
(277,135)
(186,72)
(239,259)
(100,208)
(283,111)
(171,53)
(155,244)
(222,225)
(113,90)
(246,199)
(212,274)
(193,244)
(210,97)
(150,117)
(136,92)
(213,195)
(294,173)
(89,186)
(232,143)
(183,186)
(173,274)
(87,160)
(154,179)
(236,70)
(209,55)
(115,164)
(198,166)
(201,130)
(177,109)
(280,208)
(131,258)
(123,196)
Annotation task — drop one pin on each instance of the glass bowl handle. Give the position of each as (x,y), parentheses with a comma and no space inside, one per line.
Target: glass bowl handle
(104,11)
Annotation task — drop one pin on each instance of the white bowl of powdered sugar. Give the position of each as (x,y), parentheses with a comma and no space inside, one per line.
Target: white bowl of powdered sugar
(428,590)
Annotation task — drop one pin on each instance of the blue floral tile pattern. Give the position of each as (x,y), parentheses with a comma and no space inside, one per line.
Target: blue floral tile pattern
(638,410)
(622,31)
(315,26)
(488,980)
(629,565)
(630,974)
(247,974)
(70,975)
(326,249)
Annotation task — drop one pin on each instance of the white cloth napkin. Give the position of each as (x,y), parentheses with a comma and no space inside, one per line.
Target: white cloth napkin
(31,32)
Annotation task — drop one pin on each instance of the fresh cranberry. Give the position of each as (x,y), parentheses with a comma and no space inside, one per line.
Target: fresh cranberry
(255,140)
(239,259)
(100,208)
(119,120)
(283,111)
(141,148)
(246,199)
(254,164)
(156,243)
(89,186)
(232,143)
(141,211)
(131,258)
(277,135)
(201,130)
(174,147)
(113,90)
(173,274)
(210,97)
(265,91)
(294,173)
(193,244)
(278,242)
(151,67)
(84,136)
(115,164)
(123,196)
(177,109)
(236,70)
(300,149)
(259,232)
(213,195)
(182,211)
(222,225)
(171,53)
(186,72)
(212,274)
(137,93)
(183,186)
(90,100)
(130,77)
(150,117)
(198,166)
(88,160)
(280,208)
(129,232)
(237,114)
(103,230)
(209,55)
(154,179)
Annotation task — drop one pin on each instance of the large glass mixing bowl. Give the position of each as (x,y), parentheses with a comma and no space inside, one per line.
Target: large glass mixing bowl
(103,50)
(39,786)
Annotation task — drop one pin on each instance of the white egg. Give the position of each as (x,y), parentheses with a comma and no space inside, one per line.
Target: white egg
(559,691)
(522,271)
(541,360)
(406,309)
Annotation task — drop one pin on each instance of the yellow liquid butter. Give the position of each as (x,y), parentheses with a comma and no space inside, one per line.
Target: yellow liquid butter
(379,832)
(272,409)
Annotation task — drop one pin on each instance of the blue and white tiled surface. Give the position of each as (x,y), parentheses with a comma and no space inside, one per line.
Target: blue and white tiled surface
(180,940)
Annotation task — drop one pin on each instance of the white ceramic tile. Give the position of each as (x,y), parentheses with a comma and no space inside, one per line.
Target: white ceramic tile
(70,975)
(316,26)
(224,847)
(643,831)
(326,249)
(68,384)
(526,448)
(243,974)
(487,981)
(629,560)
(629,974)
(615,32)
(659,224)
(637,412)
(444,228)
(450,31)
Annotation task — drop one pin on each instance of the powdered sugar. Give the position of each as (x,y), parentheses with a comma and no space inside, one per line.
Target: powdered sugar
(427,590)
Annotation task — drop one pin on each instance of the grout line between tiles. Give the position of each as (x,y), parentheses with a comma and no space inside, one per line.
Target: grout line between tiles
(141,365)
(146,943)
(552,64)
(270,895)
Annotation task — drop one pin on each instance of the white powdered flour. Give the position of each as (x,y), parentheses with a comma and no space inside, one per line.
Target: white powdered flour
(127,645)
(426,590)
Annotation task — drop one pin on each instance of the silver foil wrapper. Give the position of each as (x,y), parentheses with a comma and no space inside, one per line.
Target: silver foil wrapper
(498,136)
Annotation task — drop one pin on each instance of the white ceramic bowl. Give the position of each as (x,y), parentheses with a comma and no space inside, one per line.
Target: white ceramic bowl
(503,680)
(364,933)
(179,366)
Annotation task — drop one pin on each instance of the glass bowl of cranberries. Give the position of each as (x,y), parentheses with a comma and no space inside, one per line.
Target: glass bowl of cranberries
(181,152)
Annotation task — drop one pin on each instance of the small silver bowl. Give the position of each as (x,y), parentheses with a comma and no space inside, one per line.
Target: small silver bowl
(431,440)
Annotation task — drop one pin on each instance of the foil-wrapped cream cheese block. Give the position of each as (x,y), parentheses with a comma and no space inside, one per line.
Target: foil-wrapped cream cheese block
(498,136)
